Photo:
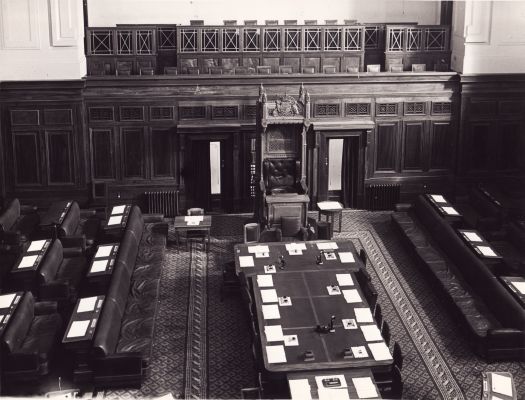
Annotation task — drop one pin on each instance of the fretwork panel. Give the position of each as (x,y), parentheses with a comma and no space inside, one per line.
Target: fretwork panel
(332,39)
(292,39)
(167,39)
(210,40)
(272,39)
(188,40)
(251,39)
(230,40)
(353,39)
(312,39)
(124,42)
(101,42)
(145,42)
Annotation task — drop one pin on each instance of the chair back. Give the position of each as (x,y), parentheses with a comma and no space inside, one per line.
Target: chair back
(18,326)
(378,316)
(195,211)
(10,215)
(251,233)
(281,175)
(290,226)
(51,263)
(69,225)
(363,256)
(270,235)
(397,383)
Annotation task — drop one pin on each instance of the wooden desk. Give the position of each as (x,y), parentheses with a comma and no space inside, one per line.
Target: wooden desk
(101,268)
(347,373)
(118,217)
(510,283)
(23,274)
(183,224)
(311,306)
(8,305)
(330,209)
(478,244)
(444,207)
(303,262)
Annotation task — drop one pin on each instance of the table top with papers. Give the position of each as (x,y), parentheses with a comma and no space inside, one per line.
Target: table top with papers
(8,305)
(516,285)
(82,324)
(32,257)
(118,217)
(298,302)
(189,222)
(443,206)
(354,383)
(103,260)
(298,256)
(329,206)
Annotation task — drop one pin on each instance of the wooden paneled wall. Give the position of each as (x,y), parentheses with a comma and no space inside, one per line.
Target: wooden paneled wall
(73,138)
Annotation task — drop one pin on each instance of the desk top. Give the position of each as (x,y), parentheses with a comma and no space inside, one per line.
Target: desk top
(103,260)
(329,206)
(313,297)
(81,327)
(350,376)
(8,305)
(478,244)
(271,253)
(186,222)
(118,217)
(516,285)
(443,206)
(30,260)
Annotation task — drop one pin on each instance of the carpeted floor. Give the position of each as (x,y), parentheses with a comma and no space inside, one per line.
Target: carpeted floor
(202,345)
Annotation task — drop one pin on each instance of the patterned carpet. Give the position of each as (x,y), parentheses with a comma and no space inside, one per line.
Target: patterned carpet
(202,345)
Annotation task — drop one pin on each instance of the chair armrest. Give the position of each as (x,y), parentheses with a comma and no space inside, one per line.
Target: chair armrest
(78,241)
(56,290)
(28,209)
(506,338)
(303,234)
(302,185)
(46,307)
(87,213)
(18,362)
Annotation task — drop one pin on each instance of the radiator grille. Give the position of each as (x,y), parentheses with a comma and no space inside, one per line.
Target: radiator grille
(163,202)
(382,197)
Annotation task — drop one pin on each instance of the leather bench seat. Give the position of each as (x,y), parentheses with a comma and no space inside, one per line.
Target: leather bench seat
(17,224)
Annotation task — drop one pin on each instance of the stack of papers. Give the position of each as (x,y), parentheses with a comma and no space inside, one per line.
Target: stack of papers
(270,269)
(345,279)
(438,198)
(352,296)
(78,329)
(520,286)
(450,210)
(98,266)
(115,220)
(502,384)
(258,249)
(349,323)
(6,300)
(265,281)
(346,257)
(246,261)
(291,340)
(363,315)
(193,219)
(329,205)
(118,210)
(271,311)
(36,245)
(269,296)
(300,389)
(87,304)
(365,388)
(103,251)
(327,246)
(27,261)
(487,251)
(371,333)
(472,237)
(275,354)
(380,351)
(274,333)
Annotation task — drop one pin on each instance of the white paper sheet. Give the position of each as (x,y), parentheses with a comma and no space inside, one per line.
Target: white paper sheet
(346,257)
(291,340)
(327,246)
(115,220)
(438,198)
(333,394)
(329,205)
(349,323)
(270,269)
(103,251)
(472,237)
(300,389)
(502,384)
(274,333)
(365,388)
(118,209)
(359,351)
(27,261)
(520,286)
(275,354)
(487,251)
(246,261)
(363,315)
(87,304)
(269,296)
(333,290)
(265,281)
(271,311)
(258,249)
(98,266)
(450,211)
(295,246)
(6,300)
(193,218)
(285,301)
(319,381)
(262,255)
(352,296)
(36,245)
(344,279)
(78,328)
(371,333)
(295,252)
(193,223)
(380,351)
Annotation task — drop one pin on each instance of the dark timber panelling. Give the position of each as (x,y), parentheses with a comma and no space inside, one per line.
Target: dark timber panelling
(413,145)
(386,144)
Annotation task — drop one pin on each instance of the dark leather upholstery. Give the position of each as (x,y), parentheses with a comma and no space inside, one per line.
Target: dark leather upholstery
(270,235)
(282,176)
(29,340)
(76,230)
(16,228)
(292,229)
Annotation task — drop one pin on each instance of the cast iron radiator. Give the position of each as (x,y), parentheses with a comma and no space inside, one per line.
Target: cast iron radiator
(163,202)
(382,197)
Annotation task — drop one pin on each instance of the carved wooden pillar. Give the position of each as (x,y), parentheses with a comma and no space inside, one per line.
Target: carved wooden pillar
(237,184)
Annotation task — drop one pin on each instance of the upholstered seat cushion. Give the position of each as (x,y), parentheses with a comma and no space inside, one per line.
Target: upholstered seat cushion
(72,270)
(290,226)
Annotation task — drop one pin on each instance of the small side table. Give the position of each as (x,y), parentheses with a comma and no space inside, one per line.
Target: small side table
(330,209)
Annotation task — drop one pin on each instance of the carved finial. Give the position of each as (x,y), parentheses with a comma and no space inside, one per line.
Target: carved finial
(307,97)
(263,100)
(261,90)
(301,93)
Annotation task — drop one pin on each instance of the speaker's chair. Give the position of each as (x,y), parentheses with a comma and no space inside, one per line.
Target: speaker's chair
(283,176)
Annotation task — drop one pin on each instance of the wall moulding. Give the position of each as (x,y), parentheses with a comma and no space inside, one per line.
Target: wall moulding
(478,21)
(62,17)
(19,24)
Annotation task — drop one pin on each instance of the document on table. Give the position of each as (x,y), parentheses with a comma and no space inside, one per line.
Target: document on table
(274,333)
(472,237)
(319,381)
(380,351)
(333,290)
(291,340)
(265,281)
(295,246)
(438,198)
(269,296)
(87,304)
(365,388)
(502,384)
(115,220)
(520,286)
(487,251)
(327,246)
(371,333)
(363,315)
(246,261)
(36,245)
(346,257)
(193,223)
(262,255)
(258,249)
(349,323)
(275,354)
(118,210)
(98,266)
(352,296)
(6,300)
(344,279)
(333,394)
(193,218)
(450,210)
(78,328)
(271,311)
(27,261)
(329,205)
(103,251)
(300,389)
(295,252)
(359,351)
(270,269)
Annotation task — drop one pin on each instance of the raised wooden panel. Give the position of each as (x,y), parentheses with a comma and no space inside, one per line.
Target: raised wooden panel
(101,114)
(25,117)
(192,112)
(480,143)
(19,24)
(510,107)
(161,113)
(413,145)
(132,153)
(441,108)
(26,158)
(63,15)
(483,108)
(225,112)
(250,111)
(510,149)
(103,154)
(58,116)
(60,157)
(132,113)
(441,145)
(162,152)
(357,109)
(386,146)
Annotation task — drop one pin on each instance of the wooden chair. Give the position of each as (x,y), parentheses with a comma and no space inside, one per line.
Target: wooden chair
(270,235)
(329,69)
(170,71)
(195,234)
(251,232)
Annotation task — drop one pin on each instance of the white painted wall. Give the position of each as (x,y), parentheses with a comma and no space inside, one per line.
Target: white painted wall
(489,37)
(112,12)
(41,39)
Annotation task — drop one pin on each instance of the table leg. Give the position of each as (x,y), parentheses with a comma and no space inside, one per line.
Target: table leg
(177,239)
(340,220)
